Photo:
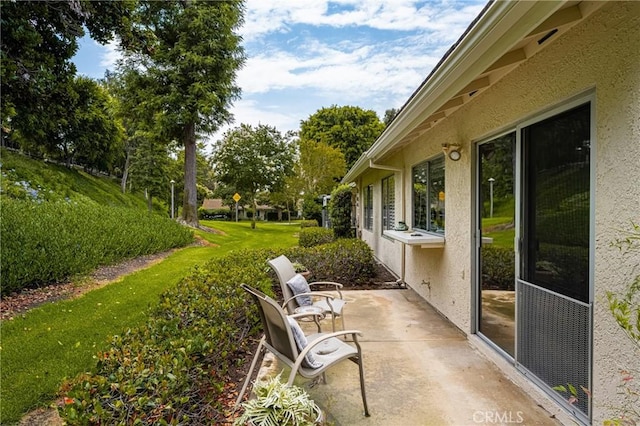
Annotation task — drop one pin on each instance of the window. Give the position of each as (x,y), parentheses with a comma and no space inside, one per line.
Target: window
(428,196)
(388,203)
(368,207)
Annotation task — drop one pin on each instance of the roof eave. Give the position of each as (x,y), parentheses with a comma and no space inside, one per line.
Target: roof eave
(502,25)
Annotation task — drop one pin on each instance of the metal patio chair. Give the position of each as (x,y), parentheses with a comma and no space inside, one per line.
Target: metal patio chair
(323,350)
(331,303)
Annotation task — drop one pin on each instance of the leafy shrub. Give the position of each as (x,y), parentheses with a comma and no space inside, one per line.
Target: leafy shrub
(498,264)
(310,237)
(209,214)
(340,211)
(347,261)
(50,241)
(174,369)
(308,223)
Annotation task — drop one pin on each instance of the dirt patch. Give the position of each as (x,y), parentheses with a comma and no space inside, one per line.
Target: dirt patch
(19,303)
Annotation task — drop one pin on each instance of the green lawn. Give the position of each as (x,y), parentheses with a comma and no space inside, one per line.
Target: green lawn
(61,339)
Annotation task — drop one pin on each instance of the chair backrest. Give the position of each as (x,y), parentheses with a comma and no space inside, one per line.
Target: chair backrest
(277,330)
(285,271)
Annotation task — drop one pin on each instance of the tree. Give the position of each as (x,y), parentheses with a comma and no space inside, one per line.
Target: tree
(38,40)
(389,115)
(149,170)
(350,129)
(184,70)
(320,166)
(253,160)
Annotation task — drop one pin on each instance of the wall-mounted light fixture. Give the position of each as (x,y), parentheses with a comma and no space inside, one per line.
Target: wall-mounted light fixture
(452,151)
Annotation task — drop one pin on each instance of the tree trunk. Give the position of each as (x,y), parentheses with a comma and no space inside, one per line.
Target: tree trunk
(255,212)
(125,172)
(150,202)
(190,201)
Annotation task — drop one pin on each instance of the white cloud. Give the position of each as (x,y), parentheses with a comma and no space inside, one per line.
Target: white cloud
(264,17)
(110,55)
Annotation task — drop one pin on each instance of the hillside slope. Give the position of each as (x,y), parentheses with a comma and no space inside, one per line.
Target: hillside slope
(26,178)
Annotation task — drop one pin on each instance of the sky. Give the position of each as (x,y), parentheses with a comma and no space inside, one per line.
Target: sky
(306,55)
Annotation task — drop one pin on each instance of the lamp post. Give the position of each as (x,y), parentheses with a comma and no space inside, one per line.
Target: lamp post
(173,182)
(491,180)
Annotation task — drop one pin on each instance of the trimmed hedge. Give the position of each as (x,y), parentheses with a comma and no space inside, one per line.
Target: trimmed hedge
(498,266)
(310,237)
(175,369)
(308,223)
(48,242)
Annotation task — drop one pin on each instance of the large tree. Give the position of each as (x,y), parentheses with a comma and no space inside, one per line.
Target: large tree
(184,72)
(319,167)
(38,40)
(253,160)
(350,129)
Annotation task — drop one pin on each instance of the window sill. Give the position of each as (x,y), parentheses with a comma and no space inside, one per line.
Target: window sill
(413,238)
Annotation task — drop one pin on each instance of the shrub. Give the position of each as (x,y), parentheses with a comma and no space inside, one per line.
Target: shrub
(50,241)
(498,264)
(209,214)
(347,261)
(174,369)
(340,211)
(310,237)
(308,223)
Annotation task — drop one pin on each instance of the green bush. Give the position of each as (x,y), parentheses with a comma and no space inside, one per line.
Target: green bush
(498,264)
(48,242)
(208,214)
(340,211)
(174,369)
(348,261)
(310,237)
(308,223)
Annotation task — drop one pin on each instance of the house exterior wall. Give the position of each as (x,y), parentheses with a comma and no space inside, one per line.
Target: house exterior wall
(599,56)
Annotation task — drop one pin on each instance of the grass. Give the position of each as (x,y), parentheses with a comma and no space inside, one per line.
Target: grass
(61,339)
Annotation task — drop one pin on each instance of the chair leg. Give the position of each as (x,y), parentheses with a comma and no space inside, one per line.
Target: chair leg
(362,389)
(259,350)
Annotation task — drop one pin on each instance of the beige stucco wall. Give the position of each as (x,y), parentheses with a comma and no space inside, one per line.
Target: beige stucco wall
(599,56)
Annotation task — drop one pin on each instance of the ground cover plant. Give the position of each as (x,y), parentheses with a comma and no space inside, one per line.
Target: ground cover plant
(61,239)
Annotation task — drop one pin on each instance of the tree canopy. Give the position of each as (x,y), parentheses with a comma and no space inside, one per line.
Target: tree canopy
(38,40)
(184,71)
(350,129)
(253,159)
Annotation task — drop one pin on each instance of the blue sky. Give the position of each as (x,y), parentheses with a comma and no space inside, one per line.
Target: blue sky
(306,55)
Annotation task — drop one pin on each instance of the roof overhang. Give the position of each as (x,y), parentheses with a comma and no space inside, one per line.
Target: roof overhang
(503,36)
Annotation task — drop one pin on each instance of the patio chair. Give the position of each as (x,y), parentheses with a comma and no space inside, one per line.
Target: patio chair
(309,356)
(328,302)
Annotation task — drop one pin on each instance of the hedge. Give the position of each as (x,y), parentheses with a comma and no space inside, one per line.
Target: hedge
(310,237)
(48,242)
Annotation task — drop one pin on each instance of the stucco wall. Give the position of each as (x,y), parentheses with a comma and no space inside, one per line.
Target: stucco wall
(600,56)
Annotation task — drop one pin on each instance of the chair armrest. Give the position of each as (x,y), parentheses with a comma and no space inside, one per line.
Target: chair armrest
(312,294)
(337,286)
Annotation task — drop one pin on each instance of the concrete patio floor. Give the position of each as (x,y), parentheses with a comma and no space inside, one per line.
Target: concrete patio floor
(420,370)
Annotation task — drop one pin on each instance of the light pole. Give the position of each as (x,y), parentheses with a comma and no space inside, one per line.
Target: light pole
(491,180)
(173,182)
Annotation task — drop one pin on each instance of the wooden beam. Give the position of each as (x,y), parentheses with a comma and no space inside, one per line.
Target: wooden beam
(509,58)
(476,84)
(561,17)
